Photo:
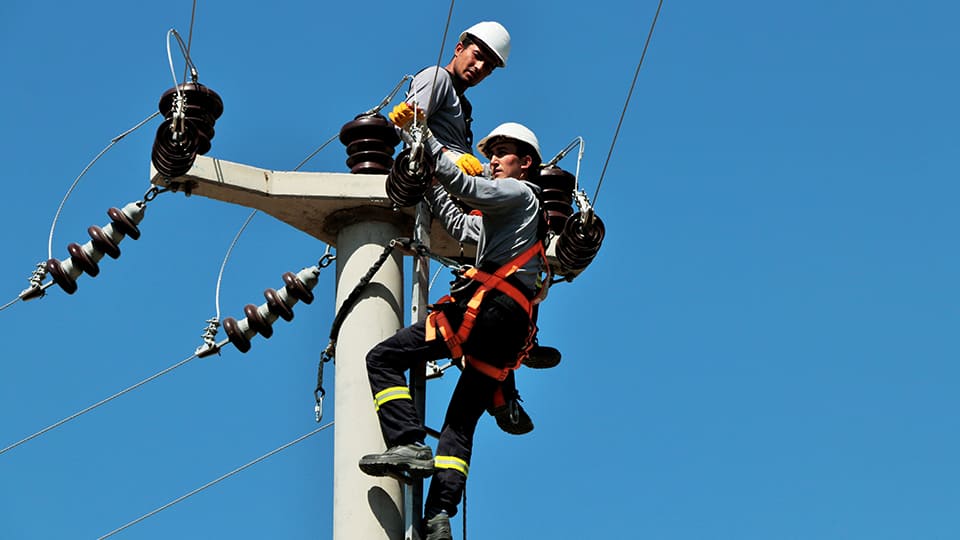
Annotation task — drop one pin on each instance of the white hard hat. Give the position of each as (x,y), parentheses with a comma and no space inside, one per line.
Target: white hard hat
(493,35)
(510,130)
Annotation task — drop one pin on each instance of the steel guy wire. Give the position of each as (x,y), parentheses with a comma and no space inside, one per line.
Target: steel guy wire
(10,303)
(433,85)
(218,480)
(105,401)
(563,153)
(226,257)
(315,152)
(236,238)
(386,101)
(630,93)
(193,15)
(113,141)
(188,62)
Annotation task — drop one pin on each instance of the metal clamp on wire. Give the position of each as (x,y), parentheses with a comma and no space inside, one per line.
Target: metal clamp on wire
(209,336)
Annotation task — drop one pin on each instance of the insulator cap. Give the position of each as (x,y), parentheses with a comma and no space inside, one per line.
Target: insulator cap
(579,242)
(370,140)
(123,223)
(297,288)
(405,188)
(232,328)
(277,306)
(256,322)
(82,261)
(61,277)
(103,242)
(174,150)
(557,187)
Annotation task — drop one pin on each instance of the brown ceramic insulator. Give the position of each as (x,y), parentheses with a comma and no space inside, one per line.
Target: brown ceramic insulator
(256,322)
(171,157)
(103,242)
(277,306)
(384,161)
(239,340)
(579,242)
(551,194)
(370,140)
(373,126)
(405,188)
(369,167)
(123,223)
(296,288)
(554,177)
(170,167)
(556,221)
(81,260)
(366,145)
(194,93)
(61,277)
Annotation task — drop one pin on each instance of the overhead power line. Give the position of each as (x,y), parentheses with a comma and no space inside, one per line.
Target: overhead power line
(103,402)
(218,480)
(630,93)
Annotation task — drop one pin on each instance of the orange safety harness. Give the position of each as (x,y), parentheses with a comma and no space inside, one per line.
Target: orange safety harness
(437,321)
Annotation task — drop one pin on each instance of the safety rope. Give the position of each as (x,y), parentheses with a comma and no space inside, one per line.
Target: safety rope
(102,402)
(630,93)
(348,303)
(218,480)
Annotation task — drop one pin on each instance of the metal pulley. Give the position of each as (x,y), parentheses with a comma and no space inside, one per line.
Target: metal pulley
(370,140)
(190,111)
(279,305)
(557,186)
(103,241)
(408,178)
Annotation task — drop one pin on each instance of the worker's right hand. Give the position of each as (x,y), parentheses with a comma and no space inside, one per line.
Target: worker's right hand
(403,114)
(470,165)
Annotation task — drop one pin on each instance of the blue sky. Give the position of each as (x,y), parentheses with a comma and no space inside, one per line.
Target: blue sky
(765,347)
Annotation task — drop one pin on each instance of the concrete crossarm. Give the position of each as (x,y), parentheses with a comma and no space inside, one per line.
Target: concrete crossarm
(317,203)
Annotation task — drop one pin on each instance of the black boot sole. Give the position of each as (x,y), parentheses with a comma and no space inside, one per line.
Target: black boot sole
(405,470)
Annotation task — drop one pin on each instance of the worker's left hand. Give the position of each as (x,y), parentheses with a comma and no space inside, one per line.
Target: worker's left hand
(403,114)
(470,165)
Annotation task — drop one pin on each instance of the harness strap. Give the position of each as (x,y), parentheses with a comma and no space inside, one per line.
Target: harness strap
(437,321)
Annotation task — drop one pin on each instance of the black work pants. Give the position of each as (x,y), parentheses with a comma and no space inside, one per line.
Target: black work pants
(499,334)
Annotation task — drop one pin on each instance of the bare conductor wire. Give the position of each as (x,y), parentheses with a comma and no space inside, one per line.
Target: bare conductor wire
(218,480)
(630,93)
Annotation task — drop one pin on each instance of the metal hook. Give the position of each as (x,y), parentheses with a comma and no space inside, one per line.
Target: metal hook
(152,193)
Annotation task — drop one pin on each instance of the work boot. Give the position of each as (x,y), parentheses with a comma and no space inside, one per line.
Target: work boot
(438,527)
(541,357)
(404,461)
(512,418)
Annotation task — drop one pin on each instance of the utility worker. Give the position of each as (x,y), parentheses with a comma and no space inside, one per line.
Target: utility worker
(440,94)
(486,320)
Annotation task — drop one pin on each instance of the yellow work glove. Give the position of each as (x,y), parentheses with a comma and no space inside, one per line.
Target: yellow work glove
(402,115)
(470,165)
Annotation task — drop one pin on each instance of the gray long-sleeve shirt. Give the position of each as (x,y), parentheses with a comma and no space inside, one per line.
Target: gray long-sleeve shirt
(507,226)
(448,114)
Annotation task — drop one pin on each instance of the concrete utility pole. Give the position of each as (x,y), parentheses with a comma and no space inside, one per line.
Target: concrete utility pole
(352,213)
